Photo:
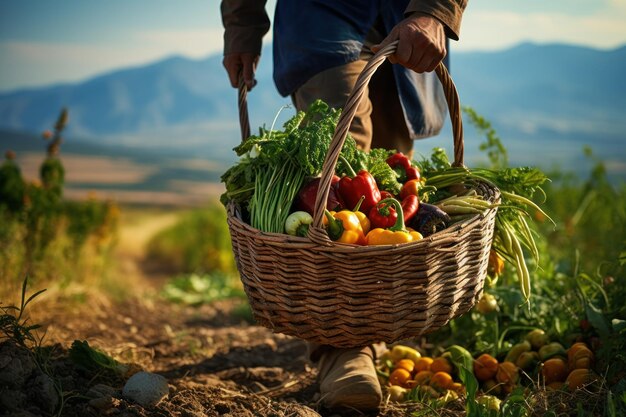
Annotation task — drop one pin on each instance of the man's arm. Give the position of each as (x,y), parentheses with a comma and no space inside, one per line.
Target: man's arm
(448,12)
(422,34)
(245,24)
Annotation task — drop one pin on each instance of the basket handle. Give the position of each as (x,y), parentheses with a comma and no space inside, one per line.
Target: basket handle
(242,102)
(349,111)
(317,233)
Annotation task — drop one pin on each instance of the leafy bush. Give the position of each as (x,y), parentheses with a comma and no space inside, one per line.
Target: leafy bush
(199,242)
(42,235)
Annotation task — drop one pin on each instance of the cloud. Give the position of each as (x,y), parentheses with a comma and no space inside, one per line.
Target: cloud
(488,30)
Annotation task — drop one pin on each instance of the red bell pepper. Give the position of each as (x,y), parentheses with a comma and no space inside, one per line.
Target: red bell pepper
(386,194)
(383,215)
(305,200)
(402,165)
(351,189)
(355,187)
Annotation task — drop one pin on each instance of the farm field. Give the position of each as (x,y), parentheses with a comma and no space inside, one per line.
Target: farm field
(97,291)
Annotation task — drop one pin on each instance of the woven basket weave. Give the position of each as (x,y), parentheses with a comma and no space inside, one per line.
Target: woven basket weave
(348,296)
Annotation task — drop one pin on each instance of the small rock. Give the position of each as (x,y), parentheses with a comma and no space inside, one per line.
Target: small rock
(101,390)
(146,388)
(101,403)
(46,394)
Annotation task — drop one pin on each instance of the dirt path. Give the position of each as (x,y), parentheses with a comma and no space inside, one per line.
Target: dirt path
(137,228)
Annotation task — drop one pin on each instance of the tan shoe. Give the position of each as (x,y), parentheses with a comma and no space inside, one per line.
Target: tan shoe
(348,379)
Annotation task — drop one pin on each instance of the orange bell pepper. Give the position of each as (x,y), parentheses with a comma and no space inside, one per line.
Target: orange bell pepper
(411,187)
(395,234)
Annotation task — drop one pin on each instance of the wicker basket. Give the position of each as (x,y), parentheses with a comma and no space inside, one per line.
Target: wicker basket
(347,296)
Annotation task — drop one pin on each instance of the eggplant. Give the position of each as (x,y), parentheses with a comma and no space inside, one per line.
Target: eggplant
(429,219)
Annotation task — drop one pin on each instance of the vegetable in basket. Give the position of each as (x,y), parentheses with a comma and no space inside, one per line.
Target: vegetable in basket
(411,187)
(298,222)
(429,219)
(305,201)
(410,207)
(395,234)
(345,227)
(383,215)
(353,187)
(512,232)
(402,165)
(275,165)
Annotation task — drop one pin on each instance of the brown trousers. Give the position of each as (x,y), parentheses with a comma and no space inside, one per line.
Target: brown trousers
(379,121)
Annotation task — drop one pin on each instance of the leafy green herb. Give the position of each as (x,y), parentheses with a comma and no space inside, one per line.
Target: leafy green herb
(385,176)
(275,164)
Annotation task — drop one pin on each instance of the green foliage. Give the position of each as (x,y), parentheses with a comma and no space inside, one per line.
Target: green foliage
(275,164)
(12,186)
(13,323)
(198,243)
(197,289)
(42,235)
(497,153)
(578,275)
(385,176)
(94,360)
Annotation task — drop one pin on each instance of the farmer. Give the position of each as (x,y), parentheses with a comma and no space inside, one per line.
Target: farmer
(320,48)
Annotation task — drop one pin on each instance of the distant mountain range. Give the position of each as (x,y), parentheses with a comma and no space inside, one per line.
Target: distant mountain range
(545,102)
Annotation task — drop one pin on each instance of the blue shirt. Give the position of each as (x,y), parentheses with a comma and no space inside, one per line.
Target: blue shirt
(311,36)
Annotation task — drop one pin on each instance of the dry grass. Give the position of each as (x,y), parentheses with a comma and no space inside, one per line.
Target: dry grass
(90,169)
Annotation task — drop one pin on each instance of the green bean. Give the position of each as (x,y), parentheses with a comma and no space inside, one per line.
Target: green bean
(525,201)
(459,209)
(523,273)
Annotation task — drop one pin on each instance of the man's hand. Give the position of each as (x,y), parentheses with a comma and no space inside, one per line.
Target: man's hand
(241,63)
(422,43)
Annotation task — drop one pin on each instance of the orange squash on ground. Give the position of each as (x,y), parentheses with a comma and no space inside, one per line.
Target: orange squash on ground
(508,373)
(485,367)
(554,370)
(441,364)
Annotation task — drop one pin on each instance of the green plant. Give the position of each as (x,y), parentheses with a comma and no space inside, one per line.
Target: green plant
(202,289)
(14,324)
(43,236)
(198,243)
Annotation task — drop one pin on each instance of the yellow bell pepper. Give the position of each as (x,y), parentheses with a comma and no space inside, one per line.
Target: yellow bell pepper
(344,226)
(395,234)
(363,219)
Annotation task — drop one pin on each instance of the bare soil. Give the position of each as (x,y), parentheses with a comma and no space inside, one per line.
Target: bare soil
(216,363)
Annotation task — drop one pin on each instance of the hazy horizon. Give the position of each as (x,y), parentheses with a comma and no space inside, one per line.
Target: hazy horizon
(45,43)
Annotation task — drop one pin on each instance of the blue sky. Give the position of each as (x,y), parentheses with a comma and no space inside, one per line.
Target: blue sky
(44,42)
